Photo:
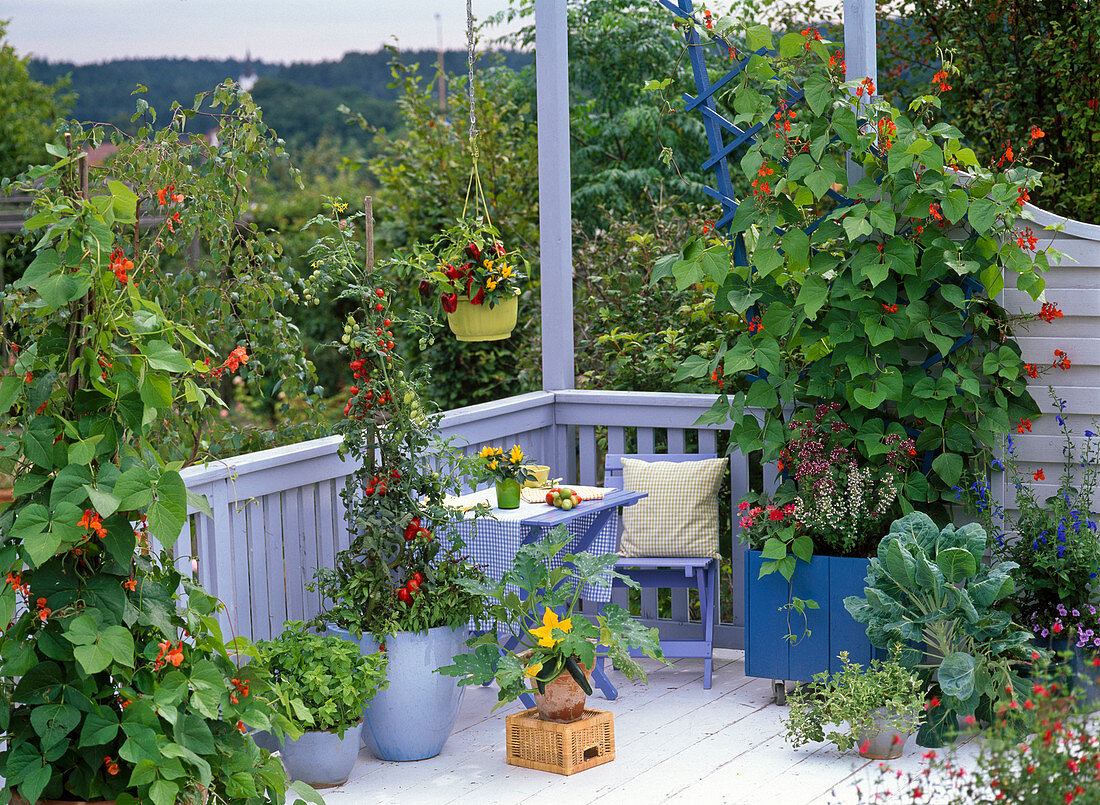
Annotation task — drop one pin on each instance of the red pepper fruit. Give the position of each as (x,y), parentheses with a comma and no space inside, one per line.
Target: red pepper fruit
(450,302)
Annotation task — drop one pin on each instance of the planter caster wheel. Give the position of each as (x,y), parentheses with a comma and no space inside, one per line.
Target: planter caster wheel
(779,691)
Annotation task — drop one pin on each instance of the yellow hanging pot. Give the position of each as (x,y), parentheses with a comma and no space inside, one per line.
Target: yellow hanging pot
(471,322)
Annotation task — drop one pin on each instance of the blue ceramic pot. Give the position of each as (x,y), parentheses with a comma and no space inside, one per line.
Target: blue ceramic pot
(321,759)
(413,717)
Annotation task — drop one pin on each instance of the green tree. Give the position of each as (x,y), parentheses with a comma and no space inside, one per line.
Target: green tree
(1039,72)
(30,110)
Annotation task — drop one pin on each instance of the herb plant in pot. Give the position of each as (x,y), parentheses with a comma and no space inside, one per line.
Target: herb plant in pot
(540,641)
(321,683)
(881,706)
(394,587)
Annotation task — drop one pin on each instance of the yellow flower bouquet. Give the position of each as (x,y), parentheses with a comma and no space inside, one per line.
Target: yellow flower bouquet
(498,465)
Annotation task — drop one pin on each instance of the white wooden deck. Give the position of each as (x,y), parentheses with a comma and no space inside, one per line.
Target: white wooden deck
(674,742)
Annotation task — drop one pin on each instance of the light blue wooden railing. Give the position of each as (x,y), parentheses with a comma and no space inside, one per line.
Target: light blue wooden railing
(278,513)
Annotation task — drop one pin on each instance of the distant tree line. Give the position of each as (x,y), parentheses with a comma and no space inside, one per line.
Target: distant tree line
(300,100)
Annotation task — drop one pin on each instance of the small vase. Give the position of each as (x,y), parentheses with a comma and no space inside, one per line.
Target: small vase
(564,699)
(508,494)
(881,743)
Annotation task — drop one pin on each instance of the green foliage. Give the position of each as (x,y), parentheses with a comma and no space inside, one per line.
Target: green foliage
(630,333)
(116,679)
(849,700)
(321,682)
(874,306)
(617,49)
(394,575)
(927,589)
(546,643)
(1041,73)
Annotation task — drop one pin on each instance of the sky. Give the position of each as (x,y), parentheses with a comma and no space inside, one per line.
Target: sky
(84,31)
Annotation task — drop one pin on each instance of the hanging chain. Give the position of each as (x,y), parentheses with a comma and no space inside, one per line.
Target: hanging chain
(481,205)
(470,68)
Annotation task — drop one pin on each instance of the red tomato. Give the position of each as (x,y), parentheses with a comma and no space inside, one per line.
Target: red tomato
(403,595)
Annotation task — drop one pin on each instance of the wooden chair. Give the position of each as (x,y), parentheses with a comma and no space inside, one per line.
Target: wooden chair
(675,572)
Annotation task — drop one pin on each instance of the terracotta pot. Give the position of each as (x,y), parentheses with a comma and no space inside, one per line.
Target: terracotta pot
(564,699)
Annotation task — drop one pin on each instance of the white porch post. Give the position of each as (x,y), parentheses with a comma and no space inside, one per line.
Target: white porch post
(555,212)
(860,54)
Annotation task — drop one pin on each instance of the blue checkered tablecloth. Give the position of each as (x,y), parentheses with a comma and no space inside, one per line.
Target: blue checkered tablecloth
(492,542)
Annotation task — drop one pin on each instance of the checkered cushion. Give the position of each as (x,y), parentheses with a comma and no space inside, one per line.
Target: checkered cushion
(680,516)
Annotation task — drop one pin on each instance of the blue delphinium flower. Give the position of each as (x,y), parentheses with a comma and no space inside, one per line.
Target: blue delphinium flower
(997,465)
(1061,551)
(1089,434)
(1061,422)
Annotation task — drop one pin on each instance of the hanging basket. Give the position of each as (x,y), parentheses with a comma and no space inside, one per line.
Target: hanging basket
(483,323)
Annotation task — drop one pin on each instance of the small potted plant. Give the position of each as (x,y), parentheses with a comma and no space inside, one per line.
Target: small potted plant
(875,709)
(477,279)
(321,684)
(540,641)
(507,471)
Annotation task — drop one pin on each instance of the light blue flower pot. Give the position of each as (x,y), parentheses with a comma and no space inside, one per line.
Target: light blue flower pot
(413,717)
(321,759)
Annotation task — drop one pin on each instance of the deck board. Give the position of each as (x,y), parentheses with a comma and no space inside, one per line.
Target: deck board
(674,742)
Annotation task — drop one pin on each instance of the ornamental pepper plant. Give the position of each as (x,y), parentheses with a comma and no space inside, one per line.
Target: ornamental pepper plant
(116,679)
(875,290)
(396,575)
(467,262)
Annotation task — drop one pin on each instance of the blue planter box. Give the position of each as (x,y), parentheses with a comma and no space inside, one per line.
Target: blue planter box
(828,580)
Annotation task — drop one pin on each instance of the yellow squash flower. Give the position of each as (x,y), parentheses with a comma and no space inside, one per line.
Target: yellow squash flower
(549,623)
(533,669)
(516,454)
